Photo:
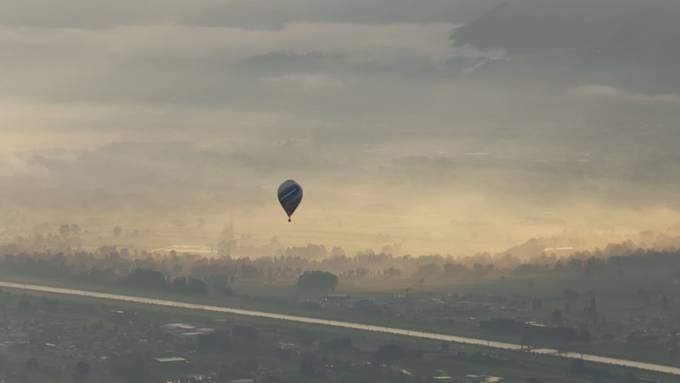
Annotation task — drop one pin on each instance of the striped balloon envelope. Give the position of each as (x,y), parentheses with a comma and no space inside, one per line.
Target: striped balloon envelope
(290,196)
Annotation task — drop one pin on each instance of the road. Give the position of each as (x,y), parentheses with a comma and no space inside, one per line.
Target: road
(346,325)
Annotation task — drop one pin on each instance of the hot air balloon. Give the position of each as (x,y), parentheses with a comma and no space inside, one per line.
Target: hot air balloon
(290,196)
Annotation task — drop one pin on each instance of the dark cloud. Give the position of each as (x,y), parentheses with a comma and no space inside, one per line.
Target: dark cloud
(624,43)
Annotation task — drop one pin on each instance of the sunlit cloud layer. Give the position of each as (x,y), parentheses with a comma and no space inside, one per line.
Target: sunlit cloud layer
(149,112)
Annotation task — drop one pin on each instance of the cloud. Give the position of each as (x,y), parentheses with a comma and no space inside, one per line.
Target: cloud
(252,14)
(180,64)
(614,92)
(154,109)
(303,81)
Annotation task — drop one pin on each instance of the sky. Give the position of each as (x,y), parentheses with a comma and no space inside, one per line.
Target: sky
(439,126)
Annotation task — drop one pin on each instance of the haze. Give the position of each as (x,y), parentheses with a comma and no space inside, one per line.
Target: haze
(449,127)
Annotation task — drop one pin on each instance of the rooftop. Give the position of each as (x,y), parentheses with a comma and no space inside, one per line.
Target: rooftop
(171,359)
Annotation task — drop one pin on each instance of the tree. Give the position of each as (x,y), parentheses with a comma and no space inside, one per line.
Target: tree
(557,316)
(592,309)
(317,280)
(65,230)
(250,271)
(429,269)
(75,229)
(227,243)
(391,272)
(189,285)
(197,286)
(455,269)
(145,278)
